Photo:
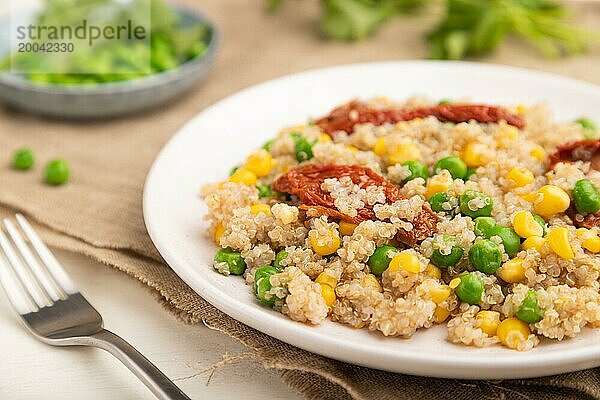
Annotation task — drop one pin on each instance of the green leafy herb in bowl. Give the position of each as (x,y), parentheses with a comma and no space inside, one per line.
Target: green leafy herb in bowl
(178,53)
(172,41)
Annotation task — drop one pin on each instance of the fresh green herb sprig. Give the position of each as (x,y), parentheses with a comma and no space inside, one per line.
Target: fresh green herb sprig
(467,27)
(473,27)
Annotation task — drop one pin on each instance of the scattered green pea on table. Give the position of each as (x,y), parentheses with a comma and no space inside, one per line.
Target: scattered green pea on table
(57,172)
(23,159)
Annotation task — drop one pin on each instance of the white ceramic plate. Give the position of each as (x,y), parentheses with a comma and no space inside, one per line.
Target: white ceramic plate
(222,135)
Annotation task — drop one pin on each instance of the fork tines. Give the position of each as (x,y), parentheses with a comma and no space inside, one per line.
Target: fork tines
(30,274)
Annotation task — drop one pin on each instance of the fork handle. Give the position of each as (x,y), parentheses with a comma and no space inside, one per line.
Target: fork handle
(158,383)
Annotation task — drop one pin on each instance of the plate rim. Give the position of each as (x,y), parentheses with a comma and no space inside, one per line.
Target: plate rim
(499,367)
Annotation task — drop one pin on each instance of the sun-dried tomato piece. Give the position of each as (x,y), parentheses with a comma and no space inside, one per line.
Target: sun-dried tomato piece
(305,182)
(345,117)
(581,150)
(588,221)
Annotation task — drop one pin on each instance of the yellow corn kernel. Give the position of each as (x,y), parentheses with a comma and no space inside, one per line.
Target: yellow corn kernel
(488,321)
(328,294)
(370,280)
(324,138)
(347,228)
(512,332)
(440,314)
(558,240)
(243,175)
(474,155)
(520,109)
(380,147)
(530,197)
(260,208)
(326,245)
(520,176)
(406,261)
(538,152)
(326,279)
(352,148)
(525,225)
(589,240)
(533,242)
(219,230)
(259,162)
(508,134)
(550,200)
(403,152)
(432,271)
(438,183)
(512,271)
(440,293)
(454,283)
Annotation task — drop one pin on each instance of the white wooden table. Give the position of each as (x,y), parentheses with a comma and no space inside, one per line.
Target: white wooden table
(32,370)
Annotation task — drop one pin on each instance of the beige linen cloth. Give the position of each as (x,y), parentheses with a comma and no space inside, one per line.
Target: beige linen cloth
(99,213)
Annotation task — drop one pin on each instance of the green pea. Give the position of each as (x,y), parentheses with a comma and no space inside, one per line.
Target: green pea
(485,256)
(444,101)
(23,159)
(470,288)
(453,164)
(470,173)
(57,172)
(586,123)
(447,258)
(510,239)
(262,287)
(267,145)
(484,226)
(529,311)
(443,202)
(234,260)
(542,223)
(264,190)
(380,260)
(263,272)
(586,197)
(482,207)
(278,258)
(302,147)
(417,170)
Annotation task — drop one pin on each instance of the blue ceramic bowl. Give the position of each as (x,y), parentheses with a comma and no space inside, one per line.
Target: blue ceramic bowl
(109,99)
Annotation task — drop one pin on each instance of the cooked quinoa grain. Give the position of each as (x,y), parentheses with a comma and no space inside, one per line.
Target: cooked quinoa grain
(351,191)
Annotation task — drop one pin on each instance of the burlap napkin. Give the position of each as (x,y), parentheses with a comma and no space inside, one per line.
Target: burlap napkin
(99,212)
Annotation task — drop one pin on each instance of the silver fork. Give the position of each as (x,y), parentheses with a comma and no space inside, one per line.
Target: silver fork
(56,313)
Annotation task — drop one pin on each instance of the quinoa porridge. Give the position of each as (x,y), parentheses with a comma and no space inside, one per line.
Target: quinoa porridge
(395,217)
